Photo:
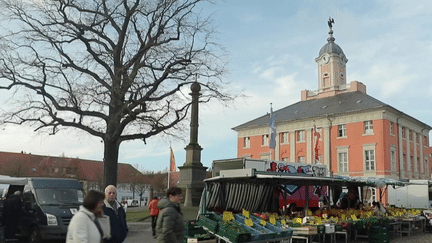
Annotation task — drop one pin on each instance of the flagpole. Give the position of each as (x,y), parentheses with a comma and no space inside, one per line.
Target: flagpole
(272,126)
(169,168)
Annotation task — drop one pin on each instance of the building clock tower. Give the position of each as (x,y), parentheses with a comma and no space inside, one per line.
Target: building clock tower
(331,65)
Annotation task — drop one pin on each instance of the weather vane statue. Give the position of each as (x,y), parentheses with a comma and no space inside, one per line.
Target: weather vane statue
(330,22)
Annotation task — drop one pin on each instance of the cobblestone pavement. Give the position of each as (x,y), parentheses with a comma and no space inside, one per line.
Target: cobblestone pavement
(141,232)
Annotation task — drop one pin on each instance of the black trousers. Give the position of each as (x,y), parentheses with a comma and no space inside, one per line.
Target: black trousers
(153,224)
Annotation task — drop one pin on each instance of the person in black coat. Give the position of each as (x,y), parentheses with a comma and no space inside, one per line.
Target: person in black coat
(117,215)
(351,200)
(12,208)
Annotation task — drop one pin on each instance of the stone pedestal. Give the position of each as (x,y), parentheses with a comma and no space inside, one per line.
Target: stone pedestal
(191,182)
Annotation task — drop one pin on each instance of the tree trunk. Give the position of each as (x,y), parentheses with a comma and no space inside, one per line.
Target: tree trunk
(111,152)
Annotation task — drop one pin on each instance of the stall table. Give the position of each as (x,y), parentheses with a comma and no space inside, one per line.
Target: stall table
(409,224)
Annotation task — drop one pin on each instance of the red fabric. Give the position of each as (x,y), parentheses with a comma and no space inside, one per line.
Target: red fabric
(154,210)
(172,161)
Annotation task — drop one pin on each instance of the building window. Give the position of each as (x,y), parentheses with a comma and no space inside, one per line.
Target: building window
(410,135)
(343,162)
(284,138)
(301,159)
(418,138)
(403,132)
(265,140)
(342,130)
(246,142)
(368,127)
(391,128)
(393,158)
(369,160)
(301,136)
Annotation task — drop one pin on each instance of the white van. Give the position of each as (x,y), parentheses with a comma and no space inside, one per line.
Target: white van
(48,206)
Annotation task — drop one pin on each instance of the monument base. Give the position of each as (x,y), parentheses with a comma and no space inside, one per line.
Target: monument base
(191,183)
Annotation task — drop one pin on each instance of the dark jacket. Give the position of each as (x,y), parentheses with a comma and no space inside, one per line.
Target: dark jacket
(170,226)
(118,224)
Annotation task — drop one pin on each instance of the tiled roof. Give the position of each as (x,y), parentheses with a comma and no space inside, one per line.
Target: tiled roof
(338,104)
(29,165)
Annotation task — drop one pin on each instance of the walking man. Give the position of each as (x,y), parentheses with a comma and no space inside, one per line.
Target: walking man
(117,215)
(170,226)
(154,212)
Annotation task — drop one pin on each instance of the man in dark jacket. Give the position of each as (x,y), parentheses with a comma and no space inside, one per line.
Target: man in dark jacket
(117,215)
(12,207)
(170,226)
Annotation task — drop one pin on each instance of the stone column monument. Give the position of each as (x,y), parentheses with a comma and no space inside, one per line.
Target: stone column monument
(192,173)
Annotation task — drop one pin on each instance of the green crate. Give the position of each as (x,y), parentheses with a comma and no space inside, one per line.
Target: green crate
(279,232)
(338,227)
(320,229)
(198,230)
(233,235)
(208,221)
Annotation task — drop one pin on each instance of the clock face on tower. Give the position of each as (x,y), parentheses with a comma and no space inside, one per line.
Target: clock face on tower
(325,59)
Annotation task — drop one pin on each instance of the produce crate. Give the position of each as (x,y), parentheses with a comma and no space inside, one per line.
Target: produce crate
(258,232)
(209,221)
(195,232)
(329,228)
(320,229)
(280,233)
(234,235)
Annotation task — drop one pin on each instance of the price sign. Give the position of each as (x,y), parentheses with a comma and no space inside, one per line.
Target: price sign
(272,219)
(353,217)
(283,222)
(263,222)
(245,213)
(248,222)
(227,216)
(343,216)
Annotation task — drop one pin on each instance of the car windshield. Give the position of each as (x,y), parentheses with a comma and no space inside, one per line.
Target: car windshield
(59,196)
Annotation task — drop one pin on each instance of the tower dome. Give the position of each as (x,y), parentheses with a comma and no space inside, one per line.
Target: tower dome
(331,46)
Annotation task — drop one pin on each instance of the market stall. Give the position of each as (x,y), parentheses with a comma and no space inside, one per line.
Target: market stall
(244,206)
(253,200)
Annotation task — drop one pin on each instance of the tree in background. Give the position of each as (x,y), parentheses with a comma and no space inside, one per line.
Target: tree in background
(117,69)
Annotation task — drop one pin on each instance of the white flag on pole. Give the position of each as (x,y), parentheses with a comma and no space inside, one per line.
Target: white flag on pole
(272,123)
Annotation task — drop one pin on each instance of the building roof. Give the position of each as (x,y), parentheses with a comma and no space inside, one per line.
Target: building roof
(29,165)
(315,108)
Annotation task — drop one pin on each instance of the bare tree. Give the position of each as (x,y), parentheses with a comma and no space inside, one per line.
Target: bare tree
(117,69)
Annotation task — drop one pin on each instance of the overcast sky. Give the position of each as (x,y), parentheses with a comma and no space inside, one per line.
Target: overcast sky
(272,47)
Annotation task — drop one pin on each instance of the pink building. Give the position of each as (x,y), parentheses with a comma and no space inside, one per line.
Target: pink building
(343,127)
